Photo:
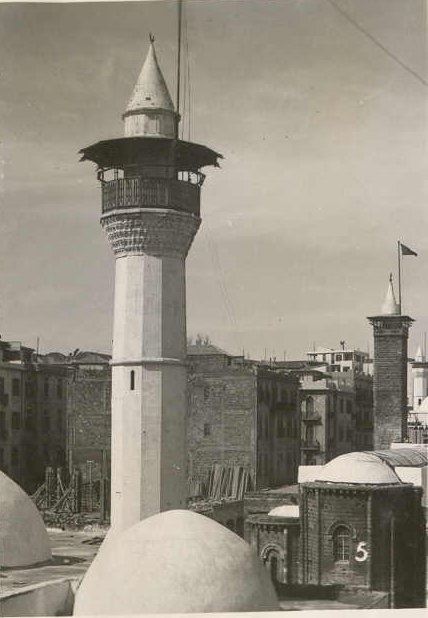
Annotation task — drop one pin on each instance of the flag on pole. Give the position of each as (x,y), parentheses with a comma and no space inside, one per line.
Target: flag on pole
(406,251)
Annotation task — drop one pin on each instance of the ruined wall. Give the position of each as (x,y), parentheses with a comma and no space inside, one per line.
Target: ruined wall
(89,419)
(220,421)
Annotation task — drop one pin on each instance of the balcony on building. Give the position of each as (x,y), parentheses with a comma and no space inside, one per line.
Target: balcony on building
(148,172)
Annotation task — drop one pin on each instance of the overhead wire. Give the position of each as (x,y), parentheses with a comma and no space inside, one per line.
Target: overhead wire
(188,122)
(376,42)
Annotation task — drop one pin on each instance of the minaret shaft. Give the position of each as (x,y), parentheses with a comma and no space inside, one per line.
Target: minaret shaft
(149,387)
(151,184)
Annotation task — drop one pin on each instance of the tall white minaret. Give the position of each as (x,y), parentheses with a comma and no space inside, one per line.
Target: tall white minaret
(151,212)
(420,379)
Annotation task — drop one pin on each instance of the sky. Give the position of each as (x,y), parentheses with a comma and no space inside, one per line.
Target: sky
(319,109)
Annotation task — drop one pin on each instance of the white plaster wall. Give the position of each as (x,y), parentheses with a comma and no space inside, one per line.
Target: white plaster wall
(46,599)
(417,476)
(148,423)
(308,474)
(419,386)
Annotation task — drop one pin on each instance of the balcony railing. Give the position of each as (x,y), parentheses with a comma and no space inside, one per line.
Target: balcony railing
(138,192)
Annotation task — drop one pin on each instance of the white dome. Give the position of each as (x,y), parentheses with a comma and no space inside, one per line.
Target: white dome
(358,468)
(175,562)
(23,537)
(285,510)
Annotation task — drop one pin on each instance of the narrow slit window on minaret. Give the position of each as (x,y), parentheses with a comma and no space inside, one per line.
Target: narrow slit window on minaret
(132,382)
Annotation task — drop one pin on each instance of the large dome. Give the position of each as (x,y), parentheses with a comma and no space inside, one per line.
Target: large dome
(360,467)
(23,537)
(175,562)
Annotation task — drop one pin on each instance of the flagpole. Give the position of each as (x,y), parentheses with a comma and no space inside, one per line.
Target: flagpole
(177,102)
(399,275)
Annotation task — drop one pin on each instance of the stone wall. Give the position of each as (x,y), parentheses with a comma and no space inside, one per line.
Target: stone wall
(385,542)
(390,379)
(89,419)
(220,422)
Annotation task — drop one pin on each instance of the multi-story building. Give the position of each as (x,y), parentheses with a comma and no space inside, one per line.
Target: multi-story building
(242,413)
(33,395)
(342,359)
(336,403)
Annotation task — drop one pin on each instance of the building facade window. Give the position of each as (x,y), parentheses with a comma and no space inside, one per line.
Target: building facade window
(132,380)
(16,387)
(207,429)
(16,420)
(341,544)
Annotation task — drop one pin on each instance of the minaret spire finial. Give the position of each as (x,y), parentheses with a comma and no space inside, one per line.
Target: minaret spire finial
(151,37)
(390,306)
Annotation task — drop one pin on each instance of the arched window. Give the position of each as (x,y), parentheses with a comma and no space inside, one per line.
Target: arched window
(341,544)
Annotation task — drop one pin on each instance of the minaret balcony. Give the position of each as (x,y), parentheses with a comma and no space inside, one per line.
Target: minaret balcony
(140,192)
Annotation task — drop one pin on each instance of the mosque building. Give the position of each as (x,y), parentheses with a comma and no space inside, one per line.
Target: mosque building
(358,524)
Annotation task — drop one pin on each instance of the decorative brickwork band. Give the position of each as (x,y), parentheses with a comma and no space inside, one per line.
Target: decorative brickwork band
(151,232)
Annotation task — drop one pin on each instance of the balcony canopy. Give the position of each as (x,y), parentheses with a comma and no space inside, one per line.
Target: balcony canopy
(125,151)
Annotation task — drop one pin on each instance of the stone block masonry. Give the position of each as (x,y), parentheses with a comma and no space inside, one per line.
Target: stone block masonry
(390,379)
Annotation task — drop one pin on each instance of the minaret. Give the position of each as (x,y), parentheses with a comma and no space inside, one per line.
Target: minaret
(151,185)
(391,331)
(420,382)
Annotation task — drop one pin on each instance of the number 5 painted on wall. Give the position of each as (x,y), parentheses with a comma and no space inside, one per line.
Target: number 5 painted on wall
(361,554)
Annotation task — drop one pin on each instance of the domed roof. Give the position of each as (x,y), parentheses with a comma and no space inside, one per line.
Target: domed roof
(360,467)
(285,510)
(23,537)
(175,562)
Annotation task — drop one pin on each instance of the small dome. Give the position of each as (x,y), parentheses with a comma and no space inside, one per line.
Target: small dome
(285,510)
(364,468)
(23,537)
(175,562)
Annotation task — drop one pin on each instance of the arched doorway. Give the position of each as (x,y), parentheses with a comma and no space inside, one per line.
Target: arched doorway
(273,558)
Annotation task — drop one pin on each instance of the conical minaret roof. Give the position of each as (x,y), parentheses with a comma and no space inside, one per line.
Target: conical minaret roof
(419,358)
(390,305)
(151,91)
